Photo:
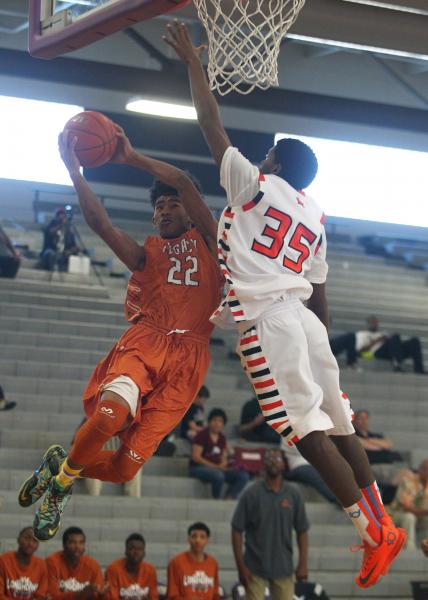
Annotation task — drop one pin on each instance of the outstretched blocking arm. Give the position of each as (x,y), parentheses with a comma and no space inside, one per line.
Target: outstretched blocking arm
(94,213)
(205,103)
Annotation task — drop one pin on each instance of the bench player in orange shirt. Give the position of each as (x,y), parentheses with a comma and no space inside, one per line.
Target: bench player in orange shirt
(145,385)
(22,574)
(193,575)
(132,577)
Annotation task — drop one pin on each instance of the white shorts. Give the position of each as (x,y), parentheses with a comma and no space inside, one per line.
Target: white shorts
(287,357)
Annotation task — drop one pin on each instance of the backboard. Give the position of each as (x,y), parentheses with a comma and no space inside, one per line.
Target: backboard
(59,26)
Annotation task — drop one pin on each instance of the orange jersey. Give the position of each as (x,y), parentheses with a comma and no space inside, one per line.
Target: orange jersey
(22,581)
(179,286)
(188,578)
(65,580)
(127,586)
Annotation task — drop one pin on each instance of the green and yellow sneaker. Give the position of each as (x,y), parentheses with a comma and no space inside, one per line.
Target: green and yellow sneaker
(35,486)
(48,516)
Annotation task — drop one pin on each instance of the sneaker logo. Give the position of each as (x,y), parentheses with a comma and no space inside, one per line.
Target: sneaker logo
(355,514)
(364,580)
(134,456)
(390,538)
(52,532)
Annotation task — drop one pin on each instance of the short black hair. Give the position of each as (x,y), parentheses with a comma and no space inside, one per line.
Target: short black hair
(199,526)
(204,392)
(217,412)
(159,188)
(71,531)
(25,529)
(135,537)
(298,162)
(362,410)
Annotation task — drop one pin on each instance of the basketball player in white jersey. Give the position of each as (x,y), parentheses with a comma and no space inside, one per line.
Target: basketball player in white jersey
(272,251)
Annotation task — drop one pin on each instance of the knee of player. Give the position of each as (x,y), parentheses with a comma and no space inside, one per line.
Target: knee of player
(218,475)
(126,473)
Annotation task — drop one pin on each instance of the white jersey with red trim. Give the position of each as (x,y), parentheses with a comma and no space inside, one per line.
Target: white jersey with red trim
(272,244)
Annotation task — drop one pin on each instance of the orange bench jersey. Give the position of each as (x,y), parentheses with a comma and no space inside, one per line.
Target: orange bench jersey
(20,581)
(65,581)
(179,287)
(124,585)
(188,579)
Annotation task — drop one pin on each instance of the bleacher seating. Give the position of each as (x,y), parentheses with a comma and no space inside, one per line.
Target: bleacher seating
(53,332)
(413,252)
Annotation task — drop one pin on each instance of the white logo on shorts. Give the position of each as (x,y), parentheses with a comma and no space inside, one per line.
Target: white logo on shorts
(134,456)
(108,411)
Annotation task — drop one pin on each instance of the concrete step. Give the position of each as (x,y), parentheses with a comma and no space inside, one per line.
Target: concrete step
(70,374)
(51,299)
(55,313)
(61,284)
(30,458)
(65,356)
(37,419)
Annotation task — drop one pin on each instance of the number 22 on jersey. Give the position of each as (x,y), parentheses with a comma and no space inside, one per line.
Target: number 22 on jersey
(183,271)
(277,237)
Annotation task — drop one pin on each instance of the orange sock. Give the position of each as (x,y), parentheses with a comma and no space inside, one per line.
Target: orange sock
(108,419)
(118,467)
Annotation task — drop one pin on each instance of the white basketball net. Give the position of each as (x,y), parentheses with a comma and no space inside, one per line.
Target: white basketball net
(244,41)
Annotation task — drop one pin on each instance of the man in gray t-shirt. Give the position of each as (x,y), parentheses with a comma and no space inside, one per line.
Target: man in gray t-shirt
(267,512)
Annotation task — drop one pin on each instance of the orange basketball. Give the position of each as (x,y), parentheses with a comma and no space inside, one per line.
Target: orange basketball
(96,137)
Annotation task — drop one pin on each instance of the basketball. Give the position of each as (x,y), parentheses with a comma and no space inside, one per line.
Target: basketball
(96,137)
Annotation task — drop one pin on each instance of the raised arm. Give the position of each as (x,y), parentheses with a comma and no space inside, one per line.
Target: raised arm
(94,213)
(190,197)
(205,103)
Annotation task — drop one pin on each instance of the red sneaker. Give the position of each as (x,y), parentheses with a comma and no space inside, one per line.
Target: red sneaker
(402,536)
(377,560)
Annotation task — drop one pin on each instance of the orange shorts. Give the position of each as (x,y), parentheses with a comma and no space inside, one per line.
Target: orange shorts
(169,370)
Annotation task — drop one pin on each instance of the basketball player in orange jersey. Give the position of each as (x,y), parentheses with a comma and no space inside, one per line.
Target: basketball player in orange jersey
(143,388)
(272,250)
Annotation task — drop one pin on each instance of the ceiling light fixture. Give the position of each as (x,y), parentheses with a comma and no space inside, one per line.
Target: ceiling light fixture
(162,109)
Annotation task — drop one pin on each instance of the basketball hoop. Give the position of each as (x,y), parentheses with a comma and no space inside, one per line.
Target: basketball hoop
(244,41)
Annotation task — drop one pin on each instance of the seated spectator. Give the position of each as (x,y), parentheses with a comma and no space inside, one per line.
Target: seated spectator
(23,575)
(385,346)
(193,421)
(131,577)
(209,460)
(424,546)
(345,343)
(193,575)
(264,519)
(409,509)
(380,345)
(71,574)
(253,427)
(4,404)
(9,257)
(378,448)
(59,242)
(299,470)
